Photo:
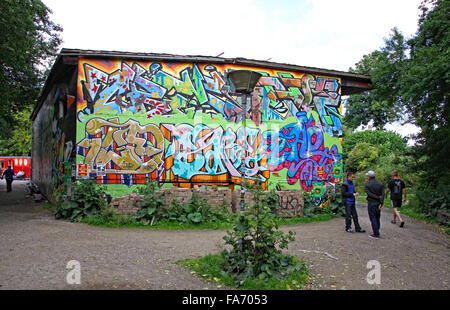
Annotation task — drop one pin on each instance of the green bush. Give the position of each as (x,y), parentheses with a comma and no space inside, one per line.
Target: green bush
(257,244)
(88,201)
(210,268)
(152,206)
(329,203)
(196,211)
(362,156)
(431,201)
(386,142)
(380,151)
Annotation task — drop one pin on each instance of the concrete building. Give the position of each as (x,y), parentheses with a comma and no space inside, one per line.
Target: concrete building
(121,118)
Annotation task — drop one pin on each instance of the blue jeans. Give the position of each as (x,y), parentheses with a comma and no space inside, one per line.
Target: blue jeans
(374,216)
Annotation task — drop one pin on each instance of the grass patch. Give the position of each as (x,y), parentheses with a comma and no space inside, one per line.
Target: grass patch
(304,219)
(210,269)
(48,206)
(119,221)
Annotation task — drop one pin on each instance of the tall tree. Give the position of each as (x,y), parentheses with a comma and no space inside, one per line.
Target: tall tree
(383,104)
(20,142)
(413,78)
(426,88)
(29,42)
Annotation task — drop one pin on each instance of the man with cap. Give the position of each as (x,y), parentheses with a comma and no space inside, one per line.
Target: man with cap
(375,198)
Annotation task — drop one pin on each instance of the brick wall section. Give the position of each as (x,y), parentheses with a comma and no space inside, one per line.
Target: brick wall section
(290,201)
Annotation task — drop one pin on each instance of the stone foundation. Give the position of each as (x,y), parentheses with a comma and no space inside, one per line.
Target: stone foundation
(290,201)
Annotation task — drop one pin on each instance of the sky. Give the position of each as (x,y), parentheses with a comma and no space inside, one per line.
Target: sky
(329,34)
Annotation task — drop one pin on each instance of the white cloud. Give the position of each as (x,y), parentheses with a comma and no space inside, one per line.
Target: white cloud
(321,33)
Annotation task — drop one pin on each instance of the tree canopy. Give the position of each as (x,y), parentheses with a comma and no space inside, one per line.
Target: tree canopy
(382,105)
(426,87)
(411,79)
(381,151)
(28,45)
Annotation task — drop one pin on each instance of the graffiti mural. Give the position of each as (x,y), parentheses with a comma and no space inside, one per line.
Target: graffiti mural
(299,147)
(201,150)
(128,148)
(180,123)
(51,145)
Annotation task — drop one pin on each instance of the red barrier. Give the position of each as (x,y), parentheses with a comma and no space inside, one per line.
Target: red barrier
(18,163)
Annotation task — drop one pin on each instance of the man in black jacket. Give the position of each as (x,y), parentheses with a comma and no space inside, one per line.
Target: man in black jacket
(9,175)
(375,198)
(348,199)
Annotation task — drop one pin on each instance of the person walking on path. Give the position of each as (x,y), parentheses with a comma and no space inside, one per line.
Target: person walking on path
(348,198)
(375,199)
(396,186)
(8,174)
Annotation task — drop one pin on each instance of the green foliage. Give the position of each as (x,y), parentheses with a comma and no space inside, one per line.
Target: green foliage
(88,201)
(432,201)
(210,268)
(152,207)
(426,77)
(28,44)
(196,211)
(329,204)
(426,91)
(411,84)
(386,142)
(362,156)
(380,151)
(381,104)
(257,244)
(19,143)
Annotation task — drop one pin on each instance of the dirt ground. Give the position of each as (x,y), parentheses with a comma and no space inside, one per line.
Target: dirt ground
(35,249)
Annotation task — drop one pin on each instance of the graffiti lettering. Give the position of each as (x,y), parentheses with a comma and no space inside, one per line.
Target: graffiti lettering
(299,148)
(156,92)
(290,203)
(201,150)
(127,148)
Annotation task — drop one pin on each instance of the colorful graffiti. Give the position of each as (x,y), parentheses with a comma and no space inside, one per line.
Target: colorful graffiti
(299,147)
(51,147)
(154,91)
(129,147)
(201,150)
(179,123)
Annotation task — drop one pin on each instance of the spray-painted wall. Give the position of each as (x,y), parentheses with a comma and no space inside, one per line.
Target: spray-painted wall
(53,138)
(178,124)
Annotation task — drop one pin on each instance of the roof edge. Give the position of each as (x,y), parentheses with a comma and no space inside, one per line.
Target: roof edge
(202,58)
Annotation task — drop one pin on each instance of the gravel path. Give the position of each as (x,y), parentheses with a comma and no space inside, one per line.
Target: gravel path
(35,248)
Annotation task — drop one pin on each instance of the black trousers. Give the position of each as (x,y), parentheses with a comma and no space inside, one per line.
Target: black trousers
(350,213)
(374,216)
(8,185)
